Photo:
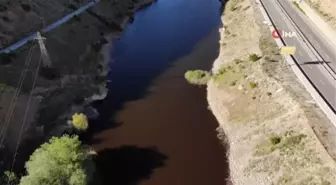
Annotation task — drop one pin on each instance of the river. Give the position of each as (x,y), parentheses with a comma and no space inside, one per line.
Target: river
(154,127)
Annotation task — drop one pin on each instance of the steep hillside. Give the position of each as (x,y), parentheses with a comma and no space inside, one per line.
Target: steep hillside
(78,51)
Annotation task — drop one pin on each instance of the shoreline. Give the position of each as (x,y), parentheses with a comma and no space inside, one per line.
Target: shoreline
(104,61)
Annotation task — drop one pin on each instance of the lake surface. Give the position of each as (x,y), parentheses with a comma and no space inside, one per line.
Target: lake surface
(154,127)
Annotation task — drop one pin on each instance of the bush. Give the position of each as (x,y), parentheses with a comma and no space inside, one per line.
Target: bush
(60,161)
(298,6)
(275,140)
(233,8)
(80,122)
(221,71)
(238,61)
(254,57)
(9,178)
(3,86)
(253,85)
(197,77)
(233,83)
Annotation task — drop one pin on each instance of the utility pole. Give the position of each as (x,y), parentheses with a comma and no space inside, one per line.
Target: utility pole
(44,52)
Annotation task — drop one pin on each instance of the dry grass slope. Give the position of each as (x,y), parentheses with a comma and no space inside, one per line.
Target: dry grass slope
(326,8)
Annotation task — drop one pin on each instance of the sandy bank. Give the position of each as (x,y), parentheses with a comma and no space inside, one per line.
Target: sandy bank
(276,135)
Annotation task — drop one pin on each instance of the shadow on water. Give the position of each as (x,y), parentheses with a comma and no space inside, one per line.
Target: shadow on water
(127,165)
(132,73)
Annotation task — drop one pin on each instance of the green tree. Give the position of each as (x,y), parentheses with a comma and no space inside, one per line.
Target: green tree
(61,161)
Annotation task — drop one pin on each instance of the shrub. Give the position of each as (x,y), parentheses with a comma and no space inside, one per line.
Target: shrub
(253,84)
(3,86)
(298,7)
(254,57)
(60,161)
(221,71)
(233,83)
(275,140)
(237,61)
(197,77)
(80,122)
(233,8)
(9,178)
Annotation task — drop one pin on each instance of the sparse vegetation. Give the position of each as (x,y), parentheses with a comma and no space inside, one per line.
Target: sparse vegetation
(237,61)
(254,57)
(275,140)
(9,178)
(298,6)
(268,46)
(253,84)
(3,86)
(317,7)
(197,77)
(234,8)
(286,144)
(233,83)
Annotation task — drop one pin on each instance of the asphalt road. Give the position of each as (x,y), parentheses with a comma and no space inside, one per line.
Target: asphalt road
(304,56)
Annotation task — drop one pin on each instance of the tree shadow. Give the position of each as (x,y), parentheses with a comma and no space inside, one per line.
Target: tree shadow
(127,165)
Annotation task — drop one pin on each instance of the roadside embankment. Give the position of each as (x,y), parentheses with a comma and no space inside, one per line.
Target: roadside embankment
(79,53)
(326,9)
(275,132)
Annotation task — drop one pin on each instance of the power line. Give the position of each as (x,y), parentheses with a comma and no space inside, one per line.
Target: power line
(47,63)
(44,52)
(26,111)
(16,94)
